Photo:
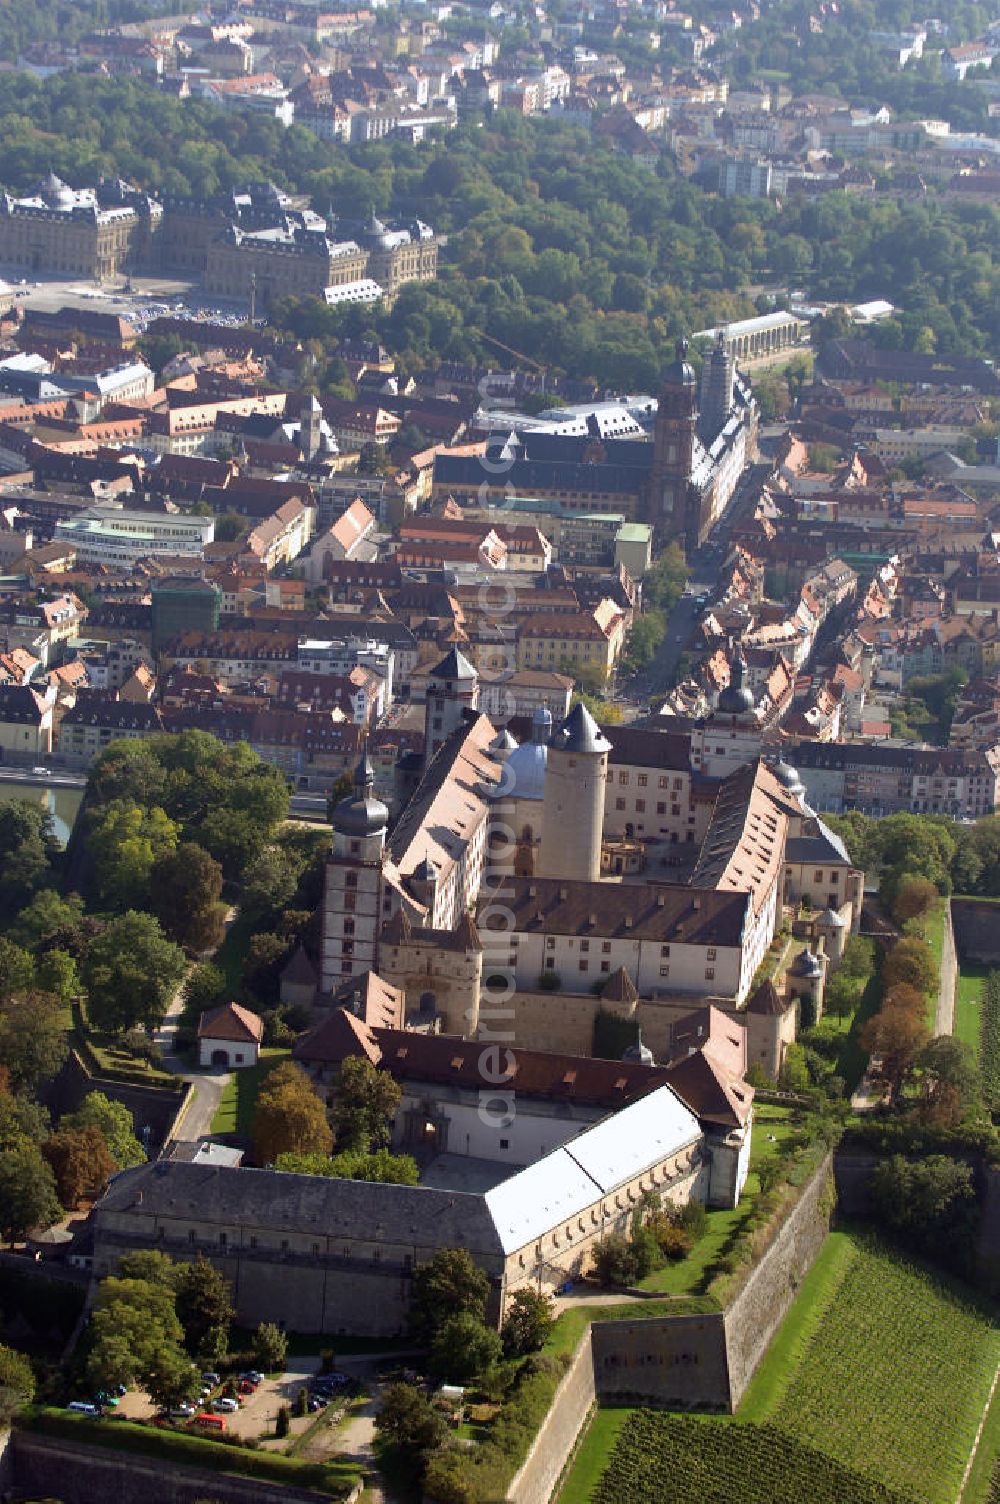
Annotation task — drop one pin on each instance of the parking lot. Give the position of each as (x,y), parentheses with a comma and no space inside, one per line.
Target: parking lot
(258,1412)
(149,298)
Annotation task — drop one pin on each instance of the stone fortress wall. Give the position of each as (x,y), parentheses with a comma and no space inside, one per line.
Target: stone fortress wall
(687,1361)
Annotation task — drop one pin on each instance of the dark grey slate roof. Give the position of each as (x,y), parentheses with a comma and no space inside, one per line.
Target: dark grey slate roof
(303,1204)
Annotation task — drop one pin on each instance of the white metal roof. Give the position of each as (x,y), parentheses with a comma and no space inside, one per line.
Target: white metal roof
(531,1203)
(589,1166)
(620,1147)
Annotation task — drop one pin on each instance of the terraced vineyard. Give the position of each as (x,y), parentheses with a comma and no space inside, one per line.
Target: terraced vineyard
(895,1379)
(687,1461)
(873,1390)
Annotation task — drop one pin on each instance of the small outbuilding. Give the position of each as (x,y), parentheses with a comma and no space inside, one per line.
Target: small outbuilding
(229,1037)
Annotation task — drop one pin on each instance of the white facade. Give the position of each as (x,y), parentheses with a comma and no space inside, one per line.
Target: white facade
(238,1054)
(119,538)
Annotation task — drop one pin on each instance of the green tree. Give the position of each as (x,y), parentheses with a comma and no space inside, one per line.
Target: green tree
(136,1338)
(204,1301)
(448,1284)
(124,841)
(33,1043)
(28,1196)
(17,1383)
(463,1347)
(270,1347)
(204,987)
(365,1101)
(17,969)
(663,584)
(185,889)
(911,961)
(56,974)
(21,1121)
(148,1264)
(131,971)
(270,882)
(930,1203)
(115,1123)
(283,1424)
(913,898)
(171,1378)
(409,1422)
(948,1079)
(50,921)
(28,849)
(528,1322)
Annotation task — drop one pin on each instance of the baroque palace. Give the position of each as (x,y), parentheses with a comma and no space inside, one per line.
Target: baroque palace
(254,242)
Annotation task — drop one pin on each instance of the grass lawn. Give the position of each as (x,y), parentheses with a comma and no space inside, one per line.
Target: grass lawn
(967,994)
(773,1125)
(232,952)
(931,928)
(234,1113)
(592,1456)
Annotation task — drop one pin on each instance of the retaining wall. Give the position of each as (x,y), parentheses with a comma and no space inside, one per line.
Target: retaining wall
(573,1402)
(754,1315)
(976,924)
(44,1467)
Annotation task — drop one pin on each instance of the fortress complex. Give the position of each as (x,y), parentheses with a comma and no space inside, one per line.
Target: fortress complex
(471,950)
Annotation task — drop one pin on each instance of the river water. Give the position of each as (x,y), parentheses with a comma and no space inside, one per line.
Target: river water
(62,804)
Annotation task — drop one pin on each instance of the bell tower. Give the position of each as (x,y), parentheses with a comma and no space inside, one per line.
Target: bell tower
(673,447)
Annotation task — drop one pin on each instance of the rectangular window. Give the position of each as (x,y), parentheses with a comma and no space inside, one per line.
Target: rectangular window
(642,780)
(619,804)
(640,806)
(709,973)
(606,947)
(664,971)
(711,953)
(623,778)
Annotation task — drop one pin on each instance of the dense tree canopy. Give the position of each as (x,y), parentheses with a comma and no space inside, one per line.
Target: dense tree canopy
(562,250)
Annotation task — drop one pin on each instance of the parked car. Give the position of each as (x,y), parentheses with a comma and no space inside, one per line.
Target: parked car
(83,1407)
(253,1376)
(211,1378)
(181,1412)
(209,1422)
(225,1407)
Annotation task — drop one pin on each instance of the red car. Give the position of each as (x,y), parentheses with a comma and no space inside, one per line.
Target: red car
(247,1387)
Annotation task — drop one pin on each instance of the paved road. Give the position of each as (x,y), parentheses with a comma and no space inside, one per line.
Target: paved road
(704,563)
(208,1085)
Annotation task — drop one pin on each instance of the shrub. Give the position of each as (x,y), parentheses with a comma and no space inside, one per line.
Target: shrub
(673,1241)
(283,1423)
